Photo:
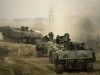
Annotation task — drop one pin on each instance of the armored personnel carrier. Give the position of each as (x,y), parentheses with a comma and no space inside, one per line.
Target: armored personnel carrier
(41,48)
(19,35)
(73,56)
(53,51)
(44,47)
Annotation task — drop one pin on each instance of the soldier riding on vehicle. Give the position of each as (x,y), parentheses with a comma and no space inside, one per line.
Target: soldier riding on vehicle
(51,36)
(74,55)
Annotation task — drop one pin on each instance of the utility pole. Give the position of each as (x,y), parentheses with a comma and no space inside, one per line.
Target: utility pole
(51,20)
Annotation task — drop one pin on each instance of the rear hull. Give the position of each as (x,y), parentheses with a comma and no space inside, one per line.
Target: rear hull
(42,52)
(75,63)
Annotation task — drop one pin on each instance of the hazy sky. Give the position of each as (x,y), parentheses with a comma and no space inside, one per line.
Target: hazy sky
(40,8)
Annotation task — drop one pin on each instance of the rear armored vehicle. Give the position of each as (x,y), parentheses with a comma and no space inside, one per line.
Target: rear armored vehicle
(19,35)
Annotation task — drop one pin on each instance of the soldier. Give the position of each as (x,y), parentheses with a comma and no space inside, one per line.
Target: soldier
(58,39)
(66,40)
(51,35)
(66,37)
(82,46)
(45,38)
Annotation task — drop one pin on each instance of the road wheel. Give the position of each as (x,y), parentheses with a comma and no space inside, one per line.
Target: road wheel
(59,68)
(90,67)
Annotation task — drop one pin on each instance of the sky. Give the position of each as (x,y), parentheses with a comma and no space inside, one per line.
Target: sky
(39,8)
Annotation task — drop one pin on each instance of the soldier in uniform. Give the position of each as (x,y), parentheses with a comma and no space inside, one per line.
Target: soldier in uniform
(51,35)
(66,40)
(58,39)
(45,38)
(66,37)
(82,46)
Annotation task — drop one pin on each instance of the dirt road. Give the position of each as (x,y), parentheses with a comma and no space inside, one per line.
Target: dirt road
(44,62)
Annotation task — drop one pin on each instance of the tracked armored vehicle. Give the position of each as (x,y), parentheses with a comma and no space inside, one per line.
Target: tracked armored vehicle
(76,58)
(53,51)
(42,48)
(73,56)
(19,35)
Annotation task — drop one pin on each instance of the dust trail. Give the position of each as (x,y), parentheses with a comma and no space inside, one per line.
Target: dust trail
(88,32)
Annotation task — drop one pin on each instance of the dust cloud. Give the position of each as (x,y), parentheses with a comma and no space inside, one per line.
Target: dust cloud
(81,29)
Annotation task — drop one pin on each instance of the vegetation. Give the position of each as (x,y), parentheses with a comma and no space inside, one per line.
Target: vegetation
(15,62)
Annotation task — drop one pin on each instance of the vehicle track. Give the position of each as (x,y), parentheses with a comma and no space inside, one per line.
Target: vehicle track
(95,72)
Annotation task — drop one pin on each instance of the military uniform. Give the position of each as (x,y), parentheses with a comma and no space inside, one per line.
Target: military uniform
(66,40)
(51,35)
(58,39)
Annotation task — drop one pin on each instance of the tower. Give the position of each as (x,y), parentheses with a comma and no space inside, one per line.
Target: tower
(51,20)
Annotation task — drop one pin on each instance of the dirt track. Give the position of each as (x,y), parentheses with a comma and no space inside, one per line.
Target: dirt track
(44,63)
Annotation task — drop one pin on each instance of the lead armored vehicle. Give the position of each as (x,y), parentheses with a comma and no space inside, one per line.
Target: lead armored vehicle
(75,58)
(19,35)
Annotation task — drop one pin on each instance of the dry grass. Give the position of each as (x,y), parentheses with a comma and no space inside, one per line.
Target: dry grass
(19,62)
(18,48)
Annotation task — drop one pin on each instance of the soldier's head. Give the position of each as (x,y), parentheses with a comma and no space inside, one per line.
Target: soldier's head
(66,35)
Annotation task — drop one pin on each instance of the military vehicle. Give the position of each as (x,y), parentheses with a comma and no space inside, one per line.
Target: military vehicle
(41,48)
(74,58)
(44,47)
(19,35)
(53,51)
(72,55)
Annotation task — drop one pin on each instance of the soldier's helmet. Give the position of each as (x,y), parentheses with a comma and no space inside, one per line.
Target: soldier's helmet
(66,35)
